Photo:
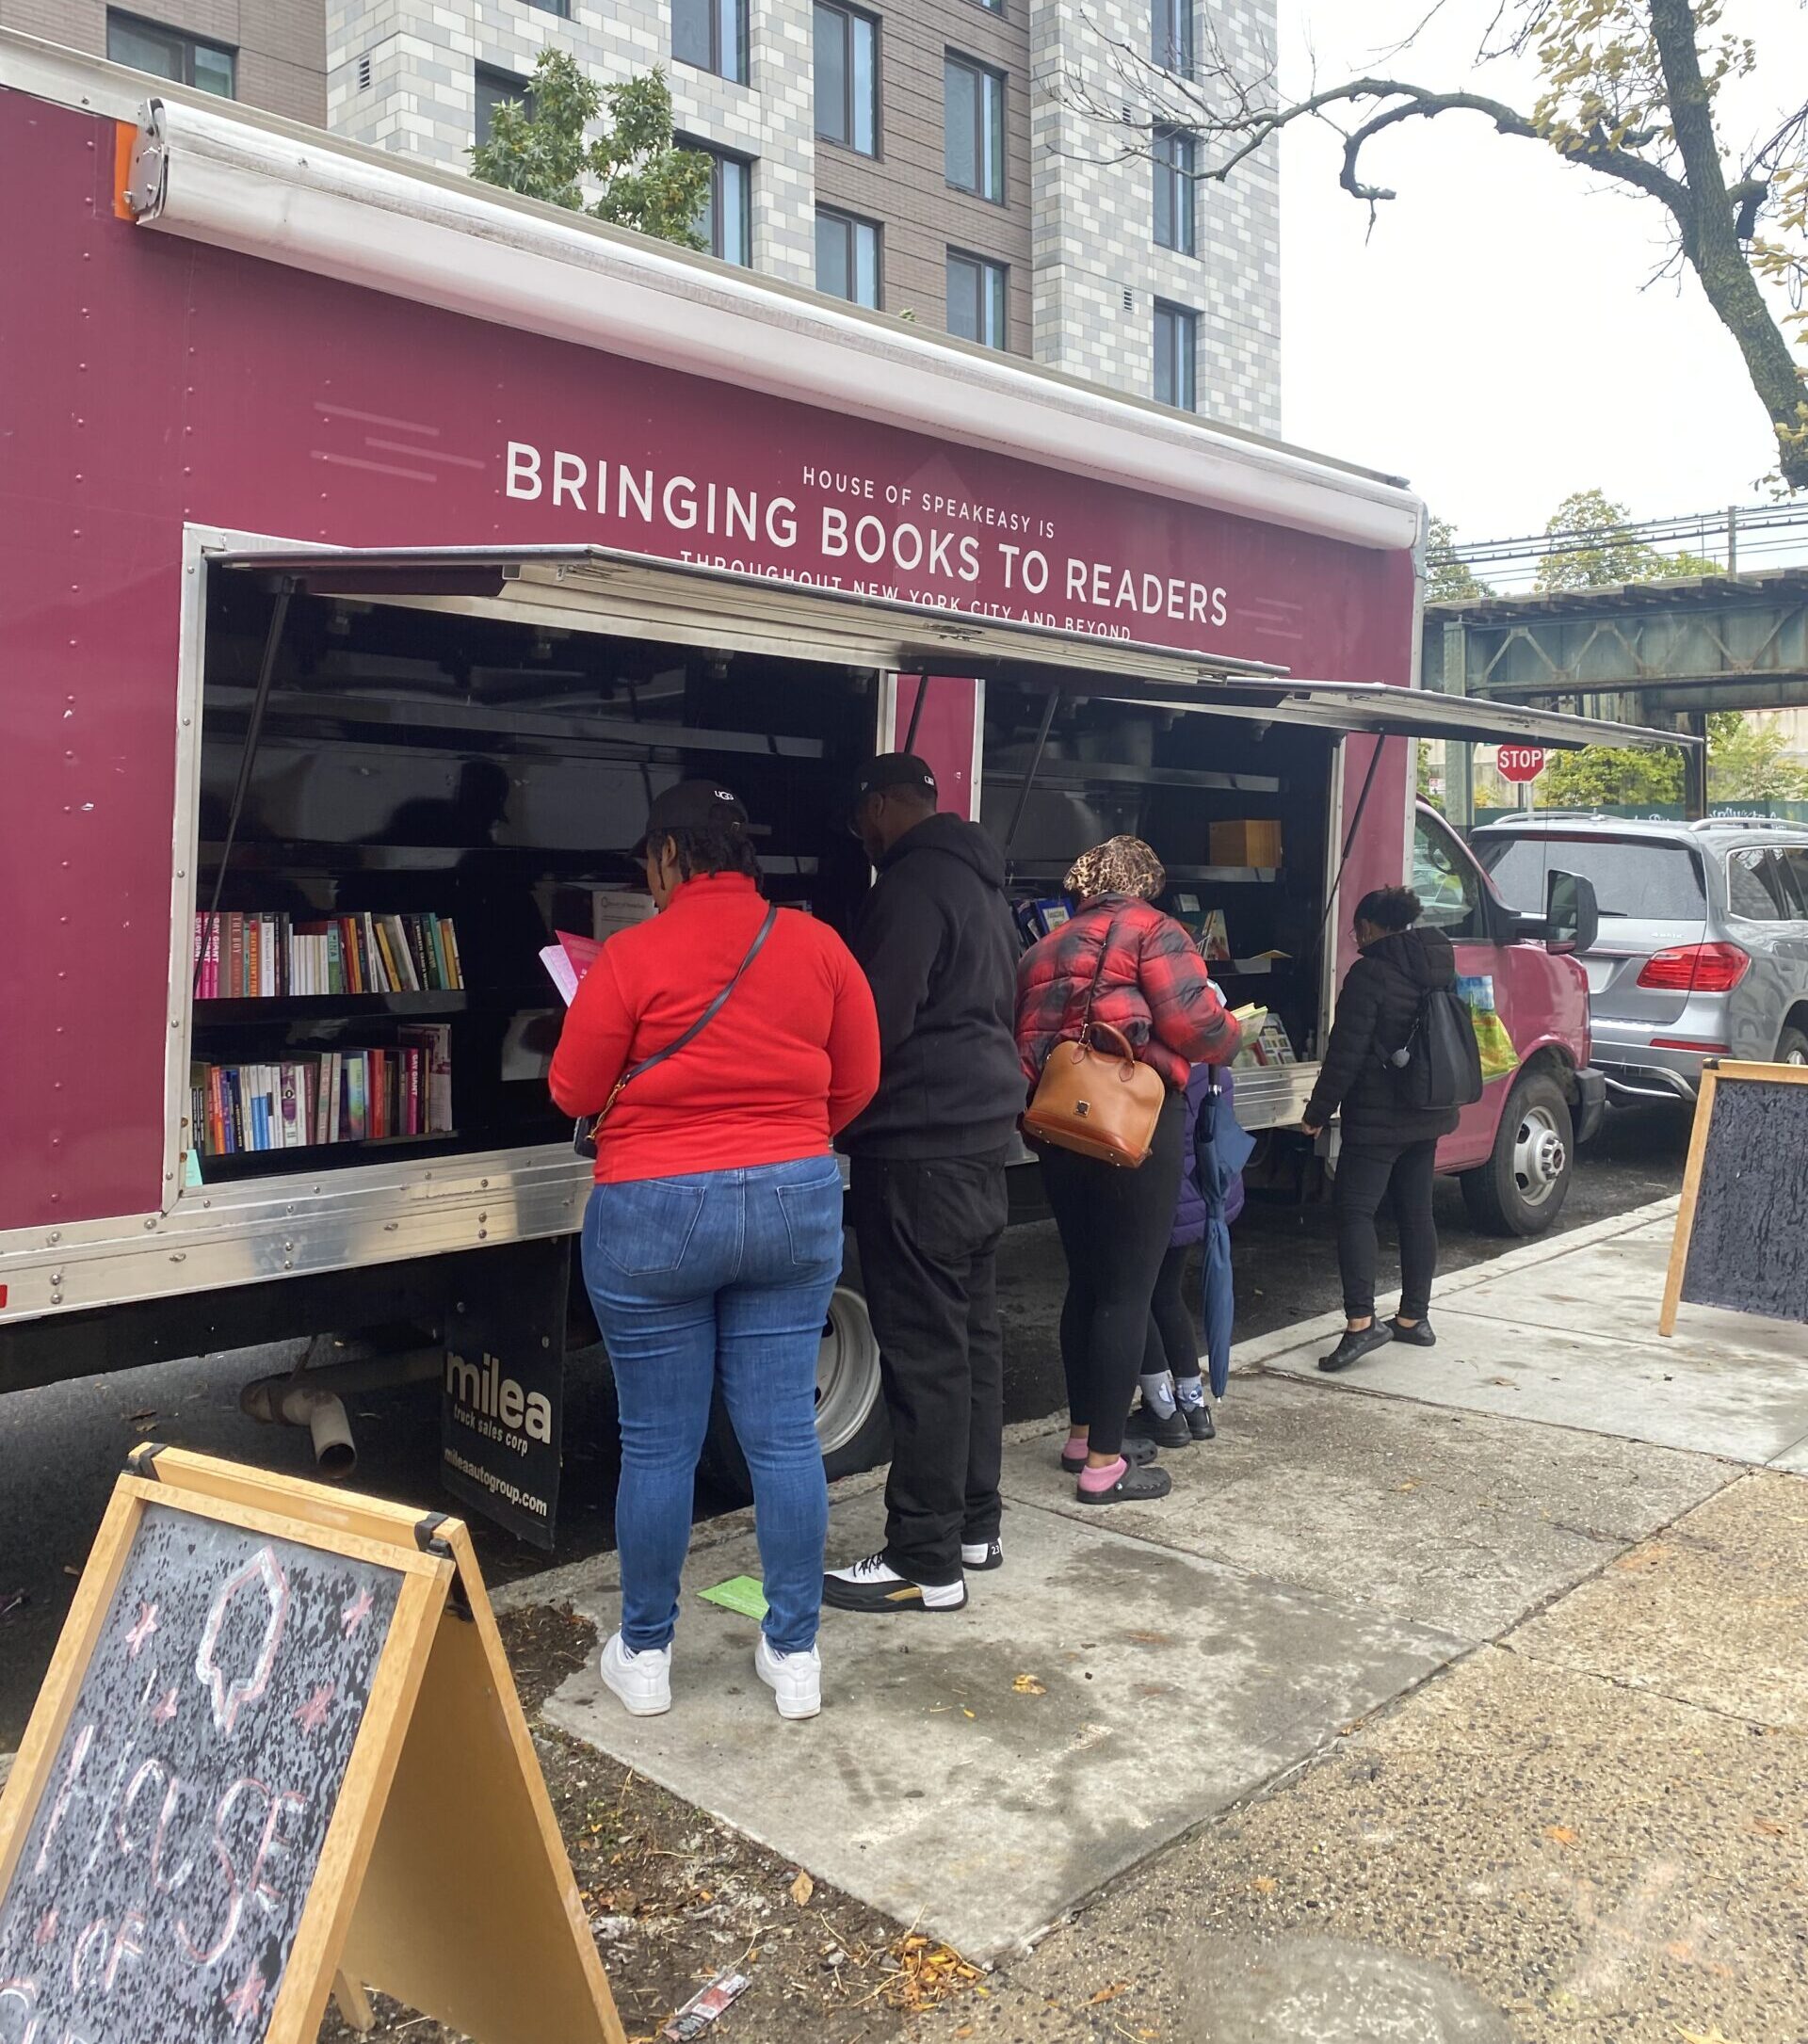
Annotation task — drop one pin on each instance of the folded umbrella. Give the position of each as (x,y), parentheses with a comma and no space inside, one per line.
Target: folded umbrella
(1221,1146)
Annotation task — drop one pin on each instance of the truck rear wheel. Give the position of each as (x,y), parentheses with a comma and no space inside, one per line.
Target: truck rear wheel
(851,1421)
(1521,1189)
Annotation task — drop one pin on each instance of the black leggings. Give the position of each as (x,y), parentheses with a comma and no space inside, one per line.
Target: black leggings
(1114,1228)
(1173,1333)
(1405,1173)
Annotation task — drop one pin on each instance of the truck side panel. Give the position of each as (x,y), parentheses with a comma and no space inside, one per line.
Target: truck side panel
(172,381)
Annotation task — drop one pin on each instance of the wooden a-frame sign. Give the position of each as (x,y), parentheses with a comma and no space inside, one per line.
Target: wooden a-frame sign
(278,1755)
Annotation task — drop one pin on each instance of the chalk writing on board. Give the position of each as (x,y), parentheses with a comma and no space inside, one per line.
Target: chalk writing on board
(165,1869)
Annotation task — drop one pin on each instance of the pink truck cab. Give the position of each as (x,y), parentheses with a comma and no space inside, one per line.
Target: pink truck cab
(1514,1148)
(384,542)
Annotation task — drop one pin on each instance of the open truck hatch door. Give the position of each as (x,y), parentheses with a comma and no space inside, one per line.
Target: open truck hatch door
(605,589)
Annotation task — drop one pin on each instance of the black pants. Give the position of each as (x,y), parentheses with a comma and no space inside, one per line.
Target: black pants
(929,1232)
(1114,1228)
(1173,1341)
(1404,1173)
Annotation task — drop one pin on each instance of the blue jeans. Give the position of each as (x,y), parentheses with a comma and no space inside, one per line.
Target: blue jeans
(722,1277)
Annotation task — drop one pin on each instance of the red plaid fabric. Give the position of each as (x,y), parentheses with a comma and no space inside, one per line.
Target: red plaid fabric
(1152,984)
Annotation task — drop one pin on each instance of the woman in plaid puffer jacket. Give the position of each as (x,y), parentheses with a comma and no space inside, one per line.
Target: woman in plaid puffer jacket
(1143,975)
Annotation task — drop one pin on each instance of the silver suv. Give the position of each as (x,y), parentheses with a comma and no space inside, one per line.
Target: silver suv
(1704,944)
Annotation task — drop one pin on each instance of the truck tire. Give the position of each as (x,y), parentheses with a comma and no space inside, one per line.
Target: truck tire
(852,1420)
(1521,1189)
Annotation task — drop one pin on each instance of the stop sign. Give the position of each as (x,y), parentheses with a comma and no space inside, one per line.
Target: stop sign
(1520,762)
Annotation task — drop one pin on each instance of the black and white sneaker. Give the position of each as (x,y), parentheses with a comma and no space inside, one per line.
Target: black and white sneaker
(981,1555)
(1166,1431)
(874,1585)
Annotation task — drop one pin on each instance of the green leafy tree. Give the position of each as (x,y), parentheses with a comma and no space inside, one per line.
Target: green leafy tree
(1606,777)
(1447,578)
(1598,553)
(1747,761)
(539,149)
(1628,94)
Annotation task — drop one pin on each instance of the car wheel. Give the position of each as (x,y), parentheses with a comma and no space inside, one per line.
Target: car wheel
(1521,1189)
(853,1423)
(1792,1048)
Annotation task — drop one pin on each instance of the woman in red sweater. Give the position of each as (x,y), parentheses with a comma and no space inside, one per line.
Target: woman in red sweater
(713,1240)
(1120,960)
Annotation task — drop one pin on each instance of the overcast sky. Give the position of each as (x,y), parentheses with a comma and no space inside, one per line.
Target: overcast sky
(1491,339)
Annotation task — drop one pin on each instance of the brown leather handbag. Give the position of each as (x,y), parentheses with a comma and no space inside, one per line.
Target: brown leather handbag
(1098,1103)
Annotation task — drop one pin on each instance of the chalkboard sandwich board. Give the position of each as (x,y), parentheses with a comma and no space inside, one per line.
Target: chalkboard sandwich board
(279,1754)
(1741,1237)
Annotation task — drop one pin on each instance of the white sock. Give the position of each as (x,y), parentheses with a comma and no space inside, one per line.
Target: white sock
(1158,1390)
(1190,1391)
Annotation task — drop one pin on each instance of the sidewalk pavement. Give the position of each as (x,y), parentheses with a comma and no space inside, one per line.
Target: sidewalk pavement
(1468,1688)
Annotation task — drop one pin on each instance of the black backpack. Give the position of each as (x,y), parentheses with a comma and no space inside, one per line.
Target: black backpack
(1440,1063)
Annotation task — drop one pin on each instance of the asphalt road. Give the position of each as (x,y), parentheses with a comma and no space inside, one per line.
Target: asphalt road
(61,1447)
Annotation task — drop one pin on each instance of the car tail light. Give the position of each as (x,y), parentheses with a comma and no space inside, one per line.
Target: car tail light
(1696,968)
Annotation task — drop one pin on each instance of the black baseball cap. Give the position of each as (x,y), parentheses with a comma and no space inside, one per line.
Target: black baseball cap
(895,770)
(690,805)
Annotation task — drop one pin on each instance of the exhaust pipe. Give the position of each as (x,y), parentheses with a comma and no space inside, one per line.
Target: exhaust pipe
(311,1398)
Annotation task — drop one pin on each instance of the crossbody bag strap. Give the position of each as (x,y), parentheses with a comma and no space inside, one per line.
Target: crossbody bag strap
(702,1020)
(1105,952)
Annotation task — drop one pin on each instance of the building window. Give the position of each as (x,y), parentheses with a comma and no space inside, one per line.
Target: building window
(1176,344)
(1174,153)
(712,35)
(847,78)
(848,257)
(725,220)
(168,53)
(560,8)
(496,88)
(1170,39)
(976,299)
(975,117)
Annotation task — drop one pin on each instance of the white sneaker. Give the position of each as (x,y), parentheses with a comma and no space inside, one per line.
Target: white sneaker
(793,1678)
(641,1681)
(981,1555)
(874,1585)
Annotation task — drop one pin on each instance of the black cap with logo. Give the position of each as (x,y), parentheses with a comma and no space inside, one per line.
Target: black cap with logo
(895,770)
(690,805)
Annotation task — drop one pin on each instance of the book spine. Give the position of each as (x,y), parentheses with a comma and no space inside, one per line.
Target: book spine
(234,955)
(291,1124)
(210,972)
(358,1094)
(439,976)
(417,950)
(450,930)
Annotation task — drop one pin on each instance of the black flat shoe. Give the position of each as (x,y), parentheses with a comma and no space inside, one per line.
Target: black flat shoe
(1137,1451)
(1146,1423)
(1354,1347)
(1200,1423)
(1418,1335)
(1135,1486)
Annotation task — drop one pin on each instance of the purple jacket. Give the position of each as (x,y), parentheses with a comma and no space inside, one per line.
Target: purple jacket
(1189,1209)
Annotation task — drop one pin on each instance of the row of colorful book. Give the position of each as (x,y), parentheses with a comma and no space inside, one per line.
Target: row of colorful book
(341,1095)
(270,956)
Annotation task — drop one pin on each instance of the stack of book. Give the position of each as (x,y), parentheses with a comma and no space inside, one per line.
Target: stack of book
(351,1095)
(270,956)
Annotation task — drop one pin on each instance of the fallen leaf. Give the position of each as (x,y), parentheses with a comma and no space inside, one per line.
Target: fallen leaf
(1110,1993)
(1506,1383)
(1027,1685)
(1411,1483)
(1560,1834)
(1703,2036)
(964,1712)
(1152,1639)
(1264,1884)
(803,1889)
(1770,1828)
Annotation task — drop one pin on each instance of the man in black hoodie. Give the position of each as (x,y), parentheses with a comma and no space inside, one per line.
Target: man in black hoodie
(1390,1149)
(928,1183)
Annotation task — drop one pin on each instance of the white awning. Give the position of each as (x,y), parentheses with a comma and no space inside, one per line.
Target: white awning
(635,595)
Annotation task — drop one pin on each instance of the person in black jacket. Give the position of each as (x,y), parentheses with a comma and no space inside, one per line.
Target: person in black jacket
(927,1184)
(1388,1146)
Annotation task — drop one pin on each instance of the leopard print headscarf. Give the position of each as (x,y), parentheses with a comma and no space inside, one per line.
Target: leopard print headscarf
(1121,865)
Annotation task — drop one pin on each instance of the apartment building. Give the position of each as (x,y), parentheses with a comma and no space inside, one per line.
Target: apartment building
(920,157)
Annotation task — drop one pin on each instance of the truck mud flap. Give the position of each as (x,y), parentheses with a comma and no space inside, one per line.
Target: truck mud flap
(503,1394)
